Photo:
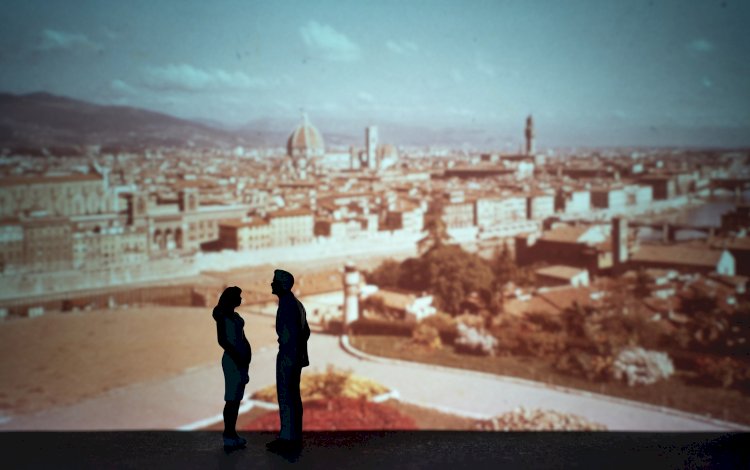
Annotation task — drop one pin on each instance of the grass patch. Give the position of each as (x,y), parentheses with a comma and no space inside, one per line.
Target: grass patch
(433,420)
(676,392)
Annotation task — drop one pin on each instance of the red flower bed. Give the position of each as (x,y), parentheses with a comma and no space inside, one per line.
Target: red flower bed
(339,414)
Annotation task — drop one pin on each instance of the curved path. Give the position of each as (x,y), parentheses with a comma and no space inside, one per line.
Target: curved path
(193,398)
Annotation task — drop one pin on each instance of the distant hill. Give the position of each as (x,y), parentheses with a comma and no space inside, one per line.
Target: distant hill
(64,125)
(45,123)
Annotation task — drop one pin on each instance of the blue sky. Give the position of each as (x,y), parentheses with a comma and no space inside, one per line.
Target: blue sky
(591,72)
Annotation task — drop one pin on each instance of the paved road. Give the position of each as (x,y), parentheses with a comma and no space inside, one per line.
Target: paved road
(195,396)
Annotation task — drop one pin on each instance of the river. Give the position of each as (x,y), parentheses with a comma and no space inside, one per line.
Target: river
(706,214)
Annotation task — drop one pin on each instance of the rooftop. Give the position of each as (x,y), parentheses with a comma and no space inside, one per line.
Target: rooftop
(678,255)
(560,271)
(29,180)
(565,233)
(290,213)
(564,297)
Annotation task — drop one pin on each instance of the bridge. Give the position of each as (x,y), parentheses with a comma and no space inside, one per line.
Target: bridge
(670,229)
(732,184)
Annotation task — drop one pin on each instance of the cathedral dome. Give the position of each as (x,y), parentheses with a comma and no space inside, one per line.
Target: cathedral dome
(305,141)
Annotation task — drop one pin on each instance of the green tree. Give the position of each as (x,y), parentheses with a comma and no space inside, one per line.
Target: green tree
(413,275)
(437,232)
(642,281)
(503,266)
(385,275)
(451,274)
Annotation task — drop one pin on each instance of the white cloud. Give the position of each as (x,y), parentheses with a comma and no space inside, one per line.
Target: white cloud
(330,106)
(110,34)
(365,97)
(394,47)
(286,79)
(185,77)
(122,88)
(701,45)
(331,44)
(52,40)
(463,112)
(284,105)
(484,67)
(402,47)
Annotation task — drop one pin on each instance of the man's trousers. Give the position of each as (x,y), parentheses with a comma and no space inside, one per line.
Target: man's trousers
(290,401)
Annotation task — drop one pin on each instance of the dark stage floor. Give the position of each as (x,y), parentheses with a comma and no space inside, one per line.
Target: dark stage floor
(378,449)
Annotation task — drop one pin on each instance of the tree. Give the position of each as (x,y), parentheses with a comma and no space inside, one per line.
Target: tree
(642,281)
(708,322)
(503,266)
(385,275)
(450,274)
(437,232)
(413,276)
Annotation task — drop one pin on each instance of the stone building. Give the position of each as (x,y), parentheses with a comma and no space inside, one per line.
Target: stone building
(279,228)
(588,247)
(60,196)
(304,146)
(501,209)
(573,201)
(240,236)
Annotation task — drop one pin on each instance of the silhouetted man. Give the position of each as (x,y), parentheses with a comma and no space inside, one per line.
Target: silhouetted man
(293,332)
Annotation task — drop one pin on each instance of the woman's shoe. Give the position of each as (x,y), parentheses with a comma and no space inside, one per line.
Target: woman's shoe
(234,442)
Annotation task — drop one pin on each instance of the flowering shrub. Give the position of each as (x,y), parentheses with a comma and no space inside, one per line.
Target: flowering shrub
(332,383)
(470,320)
(641,367)
(582,363)
(445,325)
(475,341)
(426,335)
(522,419)
(337,414)
(507,338)
(542,343)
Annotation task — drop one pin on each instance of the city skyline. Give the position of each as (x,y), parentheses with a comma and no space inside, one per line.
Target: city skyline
(591,73)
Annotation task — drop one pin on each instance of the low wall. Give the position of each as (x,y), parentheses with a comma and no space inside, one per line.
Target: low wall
(379,244)
(46,284)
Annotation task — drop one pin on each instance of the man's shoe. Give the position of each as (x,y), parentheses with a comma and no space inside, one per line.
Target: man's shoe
(284,446)
(234,442)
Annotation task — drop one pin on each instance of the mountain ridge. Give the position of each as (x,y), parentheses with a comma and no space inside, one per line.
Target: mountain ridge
(43,120)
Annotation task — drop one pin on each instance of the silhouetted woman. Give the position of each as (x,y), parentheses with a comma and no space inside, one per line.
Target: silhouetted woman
(235,362)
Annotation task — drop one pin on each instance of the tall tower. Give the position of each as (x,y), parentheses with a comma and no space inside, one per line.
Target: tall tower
(351,293)
(137,207)
(187,200)
(353,158)
(371,146)
(619,241)
(529,135)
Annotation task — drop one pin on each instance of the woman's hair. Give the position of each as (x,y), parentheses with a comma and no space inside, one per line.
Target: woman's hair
(228,298)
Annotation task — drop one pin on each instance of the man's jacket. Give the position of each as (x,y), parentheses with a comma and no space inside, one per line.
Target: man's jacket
(293,330)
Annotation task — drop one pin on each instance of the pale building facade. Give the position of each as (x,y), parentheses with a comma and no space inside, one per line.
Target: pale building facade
(59,196)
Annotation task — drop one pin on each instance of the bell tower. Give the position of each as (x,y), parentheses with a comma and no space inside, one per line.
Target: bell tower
(351,293)
(529,135)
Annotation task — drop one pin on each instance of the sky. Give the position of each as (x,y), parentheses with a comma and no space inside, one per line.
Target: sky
(599,72)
